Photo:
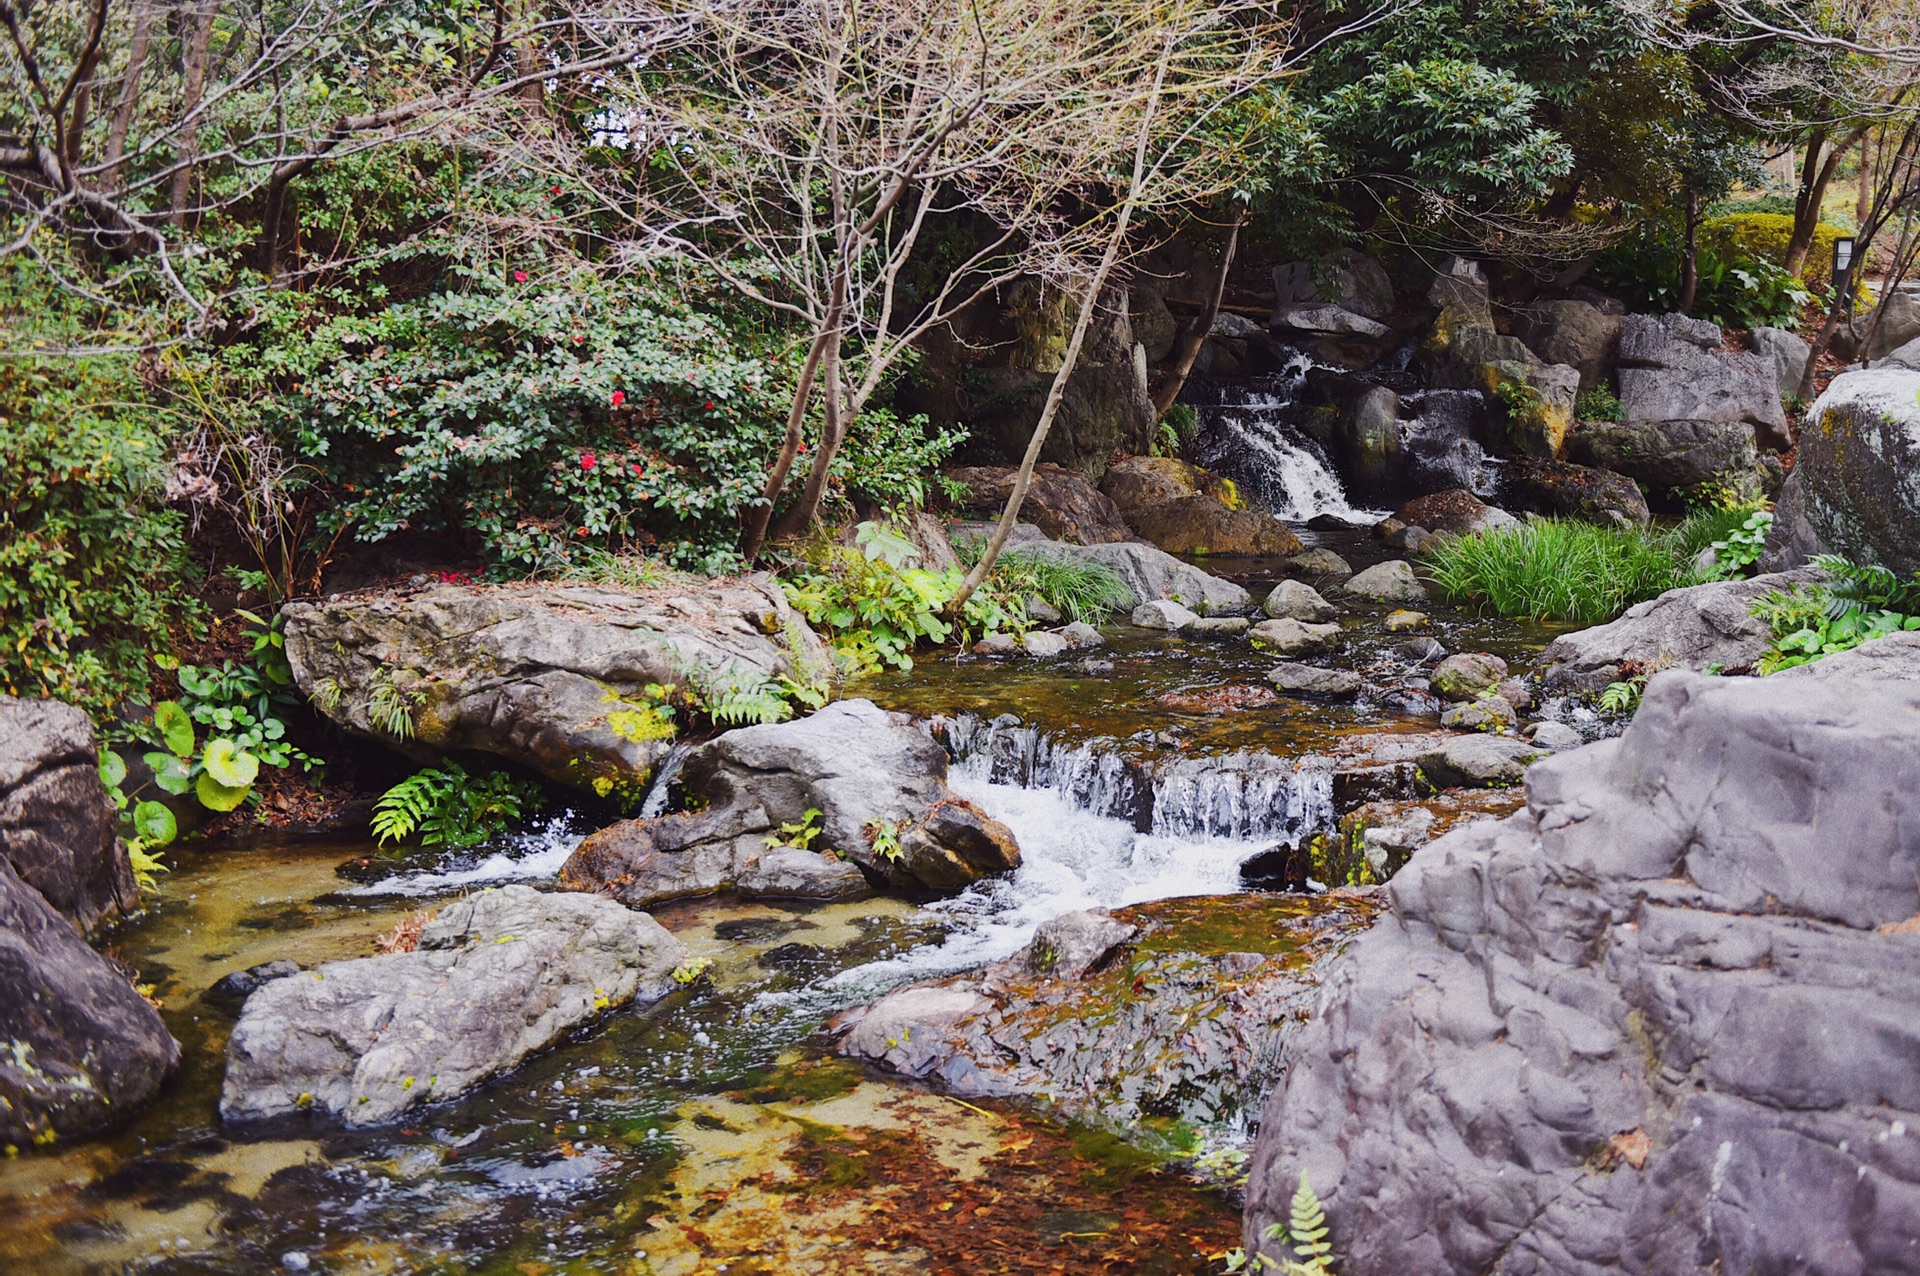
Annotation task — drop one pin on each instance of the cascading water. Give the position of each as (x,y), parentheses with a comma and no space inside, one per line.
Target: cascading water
(1247,434)
(1441,442)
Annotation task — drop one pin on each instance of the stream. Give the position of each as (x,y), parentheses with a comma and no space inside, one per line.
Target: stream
(716,1131)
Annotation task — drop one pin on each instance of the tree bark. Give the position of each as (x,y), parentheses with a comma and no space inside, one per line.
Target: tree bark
(129,92)
(1194,334)
(1815,176)
(195,76)
(755,531)
(1690,257)
(1863,201)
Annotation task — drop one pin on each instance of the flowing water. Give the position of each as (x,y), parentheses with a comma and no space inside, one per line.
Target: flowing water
(716,1132)
(1247,432)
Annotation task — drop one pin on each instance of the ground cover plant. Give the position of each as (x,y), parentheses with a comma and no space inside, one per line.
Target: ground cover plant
(1857,604)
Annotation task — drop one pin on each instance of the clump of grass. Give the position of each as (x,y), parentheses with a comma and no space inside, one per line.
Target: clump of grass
(1705,526)
(1554,569)
(591,565)
(1078,588)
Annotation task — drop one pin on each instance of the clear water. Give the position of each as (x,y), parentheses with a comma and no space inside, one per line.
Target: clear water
(1247,433)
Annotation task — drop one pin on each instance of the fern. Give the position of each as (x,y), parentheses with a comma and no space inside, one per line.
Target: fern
(448,807)
(1305,1233)
(1859,588)
(388,709)
(404,808)
(739,695)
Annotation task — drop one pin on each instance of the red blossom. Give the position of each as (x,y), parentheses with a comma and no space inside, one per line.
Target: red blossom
(709,405)
(588,460)
(619,397)
(519,276)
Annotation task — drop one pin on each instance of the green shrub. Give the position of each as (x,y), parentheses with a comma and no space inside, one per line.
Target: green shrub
(1554,569)
(1763,237)
(1597,404)
(1859,604)
(449,807)
(1076,587)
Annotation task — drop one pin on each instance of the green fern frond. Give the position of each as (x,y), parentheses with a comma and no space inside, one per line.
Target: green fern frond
(403,809)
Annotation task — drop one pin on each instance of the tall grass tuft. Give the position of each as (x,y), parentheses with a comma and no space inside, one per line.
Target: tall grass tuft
(1078,588)
(1552,569)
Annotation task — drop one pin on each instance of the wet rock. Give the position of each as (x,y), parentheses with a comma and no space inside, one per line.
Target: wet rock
(787,872)
(1663,1019)
(1150,573)
(1390,582)
(1289,637)
(496,977)
(1312,680)
(1456,512)
(1786,353)
(1573,491)
(1859,468)
(1672,370)
(83,1050)
(1399,622)
(1421,650)
(1040,611)
(1490,713)
(1097,668)
(1220,626)
(1478,761)
(1202,525)
(1292,598)
(1352,281)
(997,645)
(1162,613)
(56,824)
(1367,439)
(1070,945)
(1571,332)
(546,676)
(1896,656)
(1555,736)
(1136,483)
(1376,840)
(233,989)
(1186,1027)
(1387,527)
(1516,693)
(1695,627)
(1043,645)
(1468,675)
(1061,501)
(1409,537)
(1668,453)
(1320,562)
(1231,698)
(877,781)
(1081,635)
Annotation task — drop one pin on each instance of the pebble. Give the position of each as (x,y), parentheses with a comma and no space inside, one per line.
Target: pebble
(1398,622)
(295,1261)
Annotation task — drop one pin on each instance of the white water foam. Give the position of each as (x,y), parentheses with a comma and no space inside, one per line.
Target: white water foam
(535,855)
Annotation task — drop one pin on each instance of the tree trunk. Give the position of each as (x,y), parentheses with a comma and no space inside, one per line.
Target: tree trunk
(755,530)
(1194,335)
(1815,176)
(835,419)
(1863,202)
(129,93)
(195,77)
(1690,256)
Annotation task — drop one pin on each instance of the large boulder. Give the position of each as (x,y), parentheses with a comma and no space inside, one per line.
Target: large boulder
(1786,352)
(1894,656)
(548,676)
(1709,626)
(1064,505)
(1672,369)
(495,977)
(83,1049)
(1575,333)
(1202,525)
(1676,453)
(1457,512)
(1573,491)
(1351,281)
(1149,572)
(1858,471)
(877,782)
(56,824)
(1369,441)
(1899,325)
(1135,483)
(1665,1020)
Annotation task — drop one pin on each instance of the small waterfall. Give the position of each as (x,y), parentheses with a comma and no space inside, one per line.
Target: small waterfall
(1238,796)
(1247,433)
(655,803)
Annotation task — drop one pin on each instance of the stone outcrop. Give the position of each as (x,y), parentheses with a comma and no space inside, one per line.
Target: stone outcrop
(1786,352)
(1456,512)
(1666,1020)
(1668,453)
(1575,333)
(1185,1024)
(497,976)
(1895,656)
(56,824)
(1858,472)
(1672,369)
(548,676)
(1573,491)
(79,1048)
(1709,626)
(1202,525)
(1060,501)
(877,781)
(1135,483)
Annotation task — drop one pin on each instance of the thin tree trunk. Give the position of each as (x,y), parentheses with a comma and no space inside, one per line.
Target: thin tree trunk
(1863,202)
(758,516)
(195,76)
(1816,175)
(1192,337)
(1690,257)
(1023,478)
(834,419)
(129,92)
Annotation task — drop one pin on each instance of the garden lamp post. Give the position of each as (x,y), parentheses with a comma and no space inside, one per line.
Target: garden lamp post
(1843,270)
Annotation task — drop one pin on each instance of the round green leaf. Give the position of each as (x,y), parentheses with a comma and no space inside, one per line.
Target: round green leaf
(228,764)
(154,824)
(216,796)
(176,728)
(113,768)
(170,773)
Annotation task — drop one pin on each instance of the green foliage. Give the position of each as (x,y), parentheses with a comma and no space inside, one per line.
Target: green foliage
(1175,430)
(151,825)
(1557,569)
(1079,588)
(1597,404)
(93,567)
(798,835)
(1623,696)
(390,709)
(1763,236)
(1304,1232)
(1740,548)
(447,806)
(884,837)
(890,460)
(738,695)
(1859,604)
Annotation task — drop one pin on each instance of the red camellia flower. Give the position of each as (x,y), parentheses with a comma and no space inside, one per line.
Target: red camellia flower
(639,471)
(803,449)
(519,276)
(709,405)
(619,397)
(588,460)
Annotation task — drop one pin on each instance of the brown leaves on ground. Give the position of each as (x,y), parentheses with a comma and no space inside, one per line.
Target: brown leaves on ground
(1632,1146)
(405,935)
(1231,698)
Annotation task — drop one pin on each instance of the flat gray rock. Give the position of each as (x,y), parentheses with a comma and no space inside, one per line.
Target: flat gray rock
(1389,582)
(1043,645)
(1478,761)
(787,872)
(1312,680)
(497,976)
(1149,573)
(1468,675)
(1161,613)
(1298,601)
(1073,943)
(1896,656)
(1665,1020)
(1292,637)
